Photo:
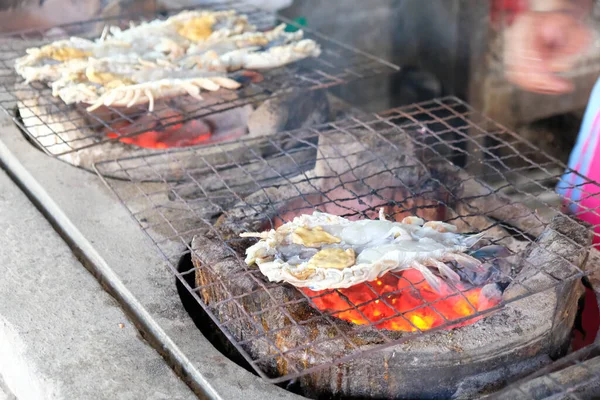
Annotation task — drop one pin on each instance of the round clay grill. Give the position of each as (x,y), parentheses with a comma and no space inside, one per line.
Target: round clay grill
(297,336)
(356,162)
(64,130)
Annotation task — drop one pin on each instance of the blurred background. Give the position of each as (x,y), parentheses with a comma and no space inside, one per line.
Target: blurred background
(446,47)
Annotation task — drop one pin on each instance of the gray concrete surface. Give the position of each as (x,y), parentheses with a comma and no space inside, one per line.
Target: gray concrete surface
(61,335)
(123,259)
(5,393)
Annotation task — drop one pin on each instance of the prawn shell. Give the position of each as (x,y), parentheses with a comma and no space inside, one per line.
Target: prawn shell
(378,251)
(157,56)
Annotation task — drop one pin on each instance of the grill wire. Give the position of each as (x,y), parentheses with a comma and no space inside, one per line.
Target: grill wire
(68,128)
(576,376)
(182,199)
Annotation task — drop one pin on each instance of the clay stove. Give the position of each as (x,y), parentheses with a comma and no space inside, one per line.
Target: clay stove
(575,376)
(281,99)
(507,323)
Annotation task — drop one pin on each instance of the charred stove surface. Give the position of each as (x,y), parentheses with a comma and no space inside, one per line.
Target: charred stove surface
(574,376)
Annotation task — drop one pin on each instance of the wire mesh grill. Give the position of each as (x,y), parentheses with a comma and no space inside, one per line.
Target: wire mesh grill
(576,376)
(61,129)
(410,160)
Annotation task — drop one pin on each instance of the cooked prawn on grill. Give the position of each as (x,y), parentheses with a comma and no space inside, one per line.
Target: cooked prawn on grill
(171,38)
(257,58)
(252,50)
(185,54)
(125,83)
(221,45)
(323,251)
(148,92)
(149,40)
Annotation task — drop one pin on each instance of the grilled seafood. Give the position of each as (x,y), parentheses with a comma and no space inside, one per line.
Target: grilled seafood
(130,95)
(189,51)
(126,84)
(255,58)
(274,37)
(323,251)
(252,50)
(149,40)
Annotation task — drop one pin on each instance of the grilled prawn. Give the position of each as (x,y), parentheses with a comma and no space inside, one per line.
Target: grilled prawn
(323,251)
(189,52)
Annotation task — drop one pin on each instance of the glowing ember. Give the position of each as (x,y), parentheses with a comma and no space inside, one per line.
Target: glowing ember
(177,135)
(165,128)
(403,302)
(159,130)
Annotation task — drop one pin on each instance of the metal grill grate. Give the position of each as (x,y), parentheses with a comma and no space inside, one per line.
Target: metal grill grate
(411,160)
(62,129)
(576,377)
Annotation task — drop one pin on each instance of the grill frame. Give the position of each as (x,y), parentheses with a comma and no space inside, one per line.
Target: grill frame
(548,373)
(412,117)
(338,64)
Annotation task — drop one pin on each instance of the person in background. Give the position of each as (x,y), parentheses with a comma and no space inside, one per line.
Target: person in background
(545,38)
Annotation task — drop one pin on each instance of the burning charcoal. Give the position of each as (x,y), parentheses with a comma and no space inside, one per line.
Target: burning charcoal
(170,126)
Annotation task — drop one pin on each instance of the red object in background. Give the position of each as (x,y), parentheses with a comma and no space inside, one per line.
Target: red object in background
(503,12)
(590,321)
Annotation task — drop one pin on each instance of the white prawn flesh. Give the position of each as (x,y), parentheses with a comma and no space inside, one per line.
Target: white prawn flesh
(323,251)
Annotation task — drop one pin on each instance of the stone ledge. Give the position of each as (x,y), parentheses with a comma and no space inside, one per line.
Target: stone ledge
(5,393)
(61,335)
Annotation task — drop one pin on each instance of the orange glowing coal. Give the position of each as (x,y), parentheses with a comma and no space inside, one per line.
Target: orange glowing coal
(403,302)
(161,129)
(185,134)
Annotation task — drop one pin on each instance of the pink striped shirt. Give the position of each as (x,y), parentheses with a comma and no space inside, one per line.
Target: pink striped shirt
(579,185)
